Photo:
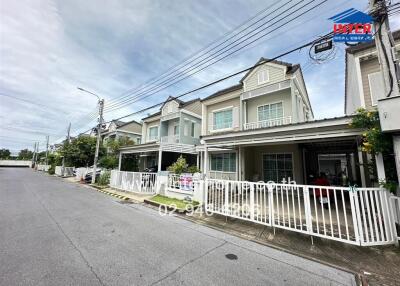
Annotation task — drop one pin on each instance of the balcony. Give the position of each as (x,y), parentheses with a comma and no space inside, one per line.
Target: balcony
(170,139)
(268,123)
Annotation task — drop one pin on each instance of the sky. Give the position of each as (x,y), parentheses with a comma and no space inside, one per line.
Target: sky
(48,48)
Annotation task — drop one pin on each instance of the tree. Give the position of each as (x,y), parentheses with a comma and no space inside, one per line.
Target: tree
(80,151)
(180,166)
(5,154)
(25,154)
(110,160)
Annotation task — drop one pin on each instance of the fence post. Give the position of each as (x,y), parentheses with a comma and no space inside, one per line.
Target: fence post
(307,209)
(252,201)
(205,194)
(356,215)
(226,194)
(140,181)
(271,204)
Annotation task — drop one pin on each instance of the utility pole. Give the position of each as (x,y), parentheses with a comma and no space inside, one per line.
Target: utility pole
(391,78)
(96,154)
(47,150)
(33,155)
(68,136)
(384,44)
(36,152)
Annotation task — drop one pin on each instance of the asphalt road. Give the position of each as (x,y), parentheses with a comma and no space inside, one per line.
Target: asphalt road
(53,232)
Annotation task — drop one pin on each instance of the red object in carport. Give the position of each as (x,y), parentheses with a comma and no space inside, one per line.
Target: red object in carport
(323,192)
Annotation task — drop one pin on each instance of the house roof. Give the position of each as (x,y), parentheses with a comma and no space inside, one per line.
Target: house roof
(181,103)
(292,68)
(359,48)
(367,45)
(129,122)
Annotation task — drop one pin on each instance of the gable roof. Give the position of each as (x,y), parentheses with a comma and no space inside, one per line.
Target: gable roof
(181,103)
(291,68)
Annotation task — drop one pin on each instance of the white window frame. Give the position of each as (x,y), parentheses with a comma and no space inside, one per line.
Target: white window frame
(262,76)
(278,153)
(222,153)
(275,102)
(148,136)
(221,110)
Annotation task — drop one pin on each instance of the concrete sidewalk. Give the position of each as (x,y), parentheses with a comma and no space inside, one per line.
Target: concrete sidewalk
(374,265)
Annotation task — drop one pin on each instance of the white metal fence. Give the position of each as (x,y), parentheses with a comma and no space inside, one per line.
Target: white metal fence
(80,173)
(134,181)
(359,216)
(64,172)
(43,168)
(395,205)
(183,183)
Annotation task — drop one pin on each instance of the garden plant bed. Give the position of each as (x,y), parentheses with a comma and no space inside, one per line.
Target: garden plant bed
(171,203)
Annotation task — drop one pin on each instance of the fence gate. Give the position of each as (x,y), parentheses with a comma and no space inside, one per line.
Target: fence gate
(360,216)
(138,182)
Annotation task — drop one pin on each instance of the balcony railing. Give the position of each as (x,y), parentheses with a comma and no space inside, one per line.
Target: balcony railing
(268,123)
(170,139)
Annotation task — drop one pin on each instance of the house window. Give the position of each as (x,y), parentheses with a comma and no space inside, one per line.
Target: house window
(263,76)
(223,162)
(193,125)
(153,133)
(223,119)
(138,140)
(277,167)
(270,111)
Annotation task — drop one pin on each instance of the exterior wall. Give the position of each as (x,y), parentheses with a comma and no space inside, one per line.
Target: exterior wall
(283,96)
(368,67)
(131,127)
(194,107)
(276,73)
(170,107)
(353,92)
(224,101)
(254,161)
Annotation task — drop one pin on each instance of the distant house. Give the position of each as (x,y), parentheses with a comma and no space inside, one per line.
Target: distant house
(117,129)
(167,134)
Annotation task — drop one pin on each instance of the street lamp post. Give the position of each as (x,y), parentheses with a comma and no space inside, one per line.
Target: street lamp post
(96,154)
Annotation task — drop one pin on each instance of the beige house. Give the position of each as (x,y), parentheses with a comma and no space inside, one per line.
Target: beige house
(364,81)
(263,130)
(167,134)
(117,129)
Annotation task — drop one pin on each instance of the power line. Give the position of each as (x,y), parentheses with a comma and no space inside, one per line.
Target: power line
(221,51)
(204,50)
(324,37)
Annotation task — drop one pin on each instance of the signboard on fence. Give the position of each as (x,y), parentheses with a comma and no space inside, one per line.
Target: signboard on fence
(186,182)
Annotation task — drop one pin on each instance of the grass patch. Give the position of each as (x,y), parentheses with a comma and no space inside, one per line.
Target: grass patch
(180,204)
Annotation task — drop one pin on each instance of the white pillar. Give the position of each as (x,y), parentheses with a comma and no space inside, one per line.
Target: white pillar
(119,162)
(380,167)
(159,159)
(238,168)
(197,160)
(205,160)
(396,149)
(362,171)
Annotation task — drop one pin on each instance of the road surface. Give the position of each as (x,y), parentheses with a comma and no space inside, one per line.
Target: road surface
(53,232)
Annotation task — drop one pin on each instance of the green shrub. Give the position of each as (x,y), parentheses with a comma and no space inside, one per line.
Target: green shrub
(109,162)
(104,178)
(52,170)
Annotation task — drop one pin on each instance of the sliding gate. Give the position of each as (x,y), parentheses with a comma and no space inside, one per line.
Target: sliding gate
(359,216)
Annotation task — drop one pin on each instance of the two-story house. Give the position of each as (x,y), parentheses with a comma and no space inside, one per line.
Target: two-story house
(167,134)
(365,89)
(117,129)
(262,129)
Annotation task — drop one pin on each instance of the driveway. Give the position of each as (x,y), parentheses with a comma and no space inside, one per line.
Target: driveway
(53,232)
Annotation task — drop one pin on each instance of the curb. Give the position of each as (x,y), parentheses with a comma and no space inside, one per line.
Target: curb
(111,194)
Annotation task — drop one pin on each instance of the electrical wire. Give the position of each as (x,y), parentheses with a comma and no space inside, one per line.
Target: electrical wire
(254,40)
